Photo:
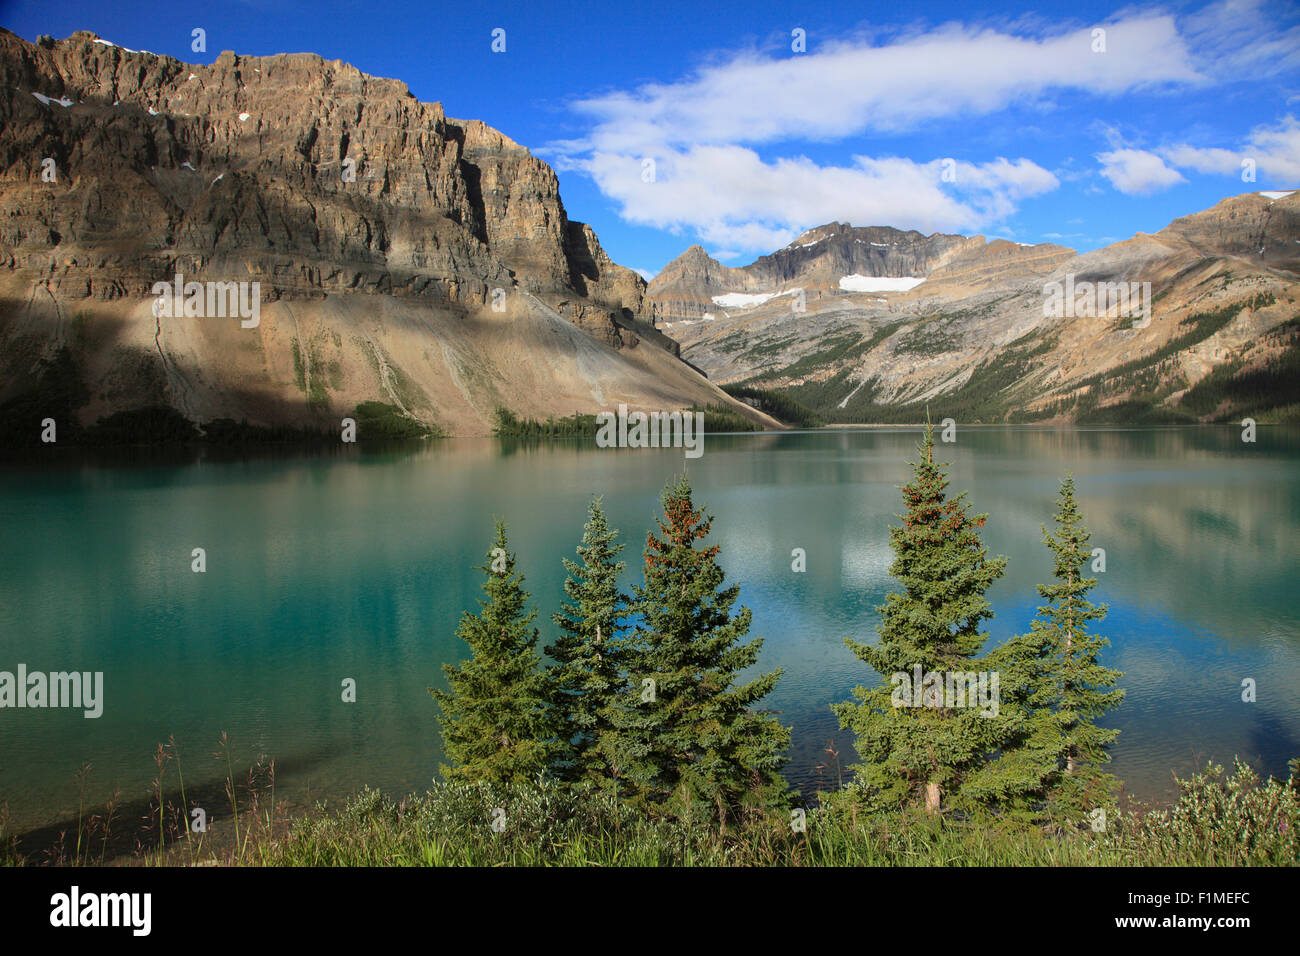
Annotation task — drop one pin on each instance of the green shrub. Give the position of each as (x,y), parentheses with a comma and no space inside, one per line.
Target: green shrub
(377,421)
(155,425)
(509,425)
(1237,821)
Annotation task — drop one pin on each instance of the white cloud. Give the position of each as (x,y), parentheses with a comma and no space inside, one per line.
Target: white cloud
(849,88)
(730,196)
(1136,172)
(647,274)
(1214,160)
(703,131)
(1275,150)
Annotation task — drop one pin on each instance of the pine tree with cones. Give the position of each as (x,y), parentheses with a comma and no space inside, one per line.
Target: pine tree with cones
(687,736)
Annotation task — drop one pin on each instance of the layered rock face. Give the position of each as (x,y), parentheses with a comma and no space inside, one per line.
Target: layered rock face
(688,287)
(345,198)
(683,289)
(1259,227)
(977,266)
(821,256)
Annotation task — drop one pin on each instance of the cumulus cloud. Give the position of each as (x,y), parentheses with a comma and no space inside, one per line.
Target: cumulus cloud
(729,195)
(704,133)
(1274,150)
(1137,172)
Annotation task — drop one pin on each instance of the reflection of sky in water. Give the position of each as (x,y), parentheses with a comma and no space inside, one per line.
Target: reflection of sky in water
(865,565)
(360,567)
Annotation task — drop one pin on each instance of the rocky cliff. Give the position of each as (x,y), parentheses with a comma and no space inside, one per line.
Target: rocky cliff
(402,255)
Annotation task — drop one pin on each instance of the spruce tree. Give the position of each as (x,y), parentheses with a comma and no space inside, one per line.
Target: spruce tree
(924,753)
(1033,748)
(495,723)
(685,735)
(1086,687)
(1051,766)
(586,676)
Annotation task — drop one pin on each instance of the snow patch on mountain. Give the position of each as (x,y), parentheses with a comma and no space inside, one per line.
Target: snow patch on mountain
(744,300)
(859,283)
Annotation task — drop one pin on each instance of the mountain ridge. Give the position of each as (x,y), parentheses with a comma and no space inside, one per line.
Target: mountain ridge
(976,333)
(403,256)
(686,288)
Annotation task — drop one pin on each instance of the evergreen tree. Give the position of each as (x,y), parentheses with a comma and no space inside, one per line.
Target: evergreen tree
(1084,682)
(495,724)
(586,675)
(925,752)
(1085,685)
(1032,751)
(684,732)
(1052,678)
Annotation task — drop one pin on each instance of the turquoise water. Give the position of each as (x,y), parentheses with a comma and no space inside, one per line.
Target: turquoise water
(358,565)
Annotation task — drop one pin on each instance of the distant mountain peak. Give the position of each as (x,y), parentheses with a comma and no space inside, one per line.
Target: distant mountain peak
(1191,323)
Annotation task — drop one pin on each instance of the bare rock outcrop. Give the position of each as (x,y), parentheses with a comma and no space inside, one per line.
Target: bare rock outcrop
(120,169)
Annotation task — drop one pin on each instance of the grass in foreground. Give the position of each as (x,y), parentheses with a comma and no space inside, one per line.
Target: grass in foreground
(1218,820)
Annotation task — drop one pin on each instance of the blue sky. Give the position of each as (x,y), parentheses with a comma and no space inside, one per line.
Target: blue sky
(676,123)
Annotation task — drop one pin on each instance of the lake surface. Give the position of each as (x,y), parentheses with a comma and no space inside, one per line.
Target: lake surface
(358,565)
